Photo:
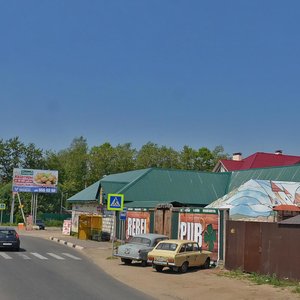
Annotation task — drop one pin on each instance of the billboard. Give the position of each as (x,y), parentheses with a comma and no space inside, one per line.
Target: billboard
(35,181)
(201,228)
(137,222)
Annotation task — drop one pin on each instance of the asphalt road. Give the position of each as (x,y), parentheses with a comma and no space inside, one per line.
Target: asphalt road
(44,270)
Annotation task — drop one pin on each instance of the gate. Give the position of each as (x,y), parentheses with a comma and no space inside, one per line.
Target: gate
(243,246)
(162,220)
(265,248)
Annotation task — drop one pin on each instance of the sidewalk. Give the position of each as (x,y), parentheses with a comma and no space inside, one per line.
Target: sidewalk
(56,235)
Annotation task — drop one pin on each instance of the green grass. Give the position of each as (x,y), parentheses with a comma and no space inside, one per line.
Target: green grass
(111,257)
(264,279)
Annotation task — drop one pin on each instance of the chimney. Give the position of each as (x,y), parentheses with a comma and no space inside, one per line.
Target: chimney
(278,152)
(237,156)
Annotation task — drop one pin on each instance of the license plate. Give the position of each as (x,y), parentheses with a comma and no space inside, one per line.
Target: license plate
(160,259)
(7,244)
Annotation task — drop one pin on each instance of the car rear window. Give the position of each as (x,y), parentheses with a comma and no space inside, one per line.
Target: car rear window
(167,246)
(140,240)
(7,233)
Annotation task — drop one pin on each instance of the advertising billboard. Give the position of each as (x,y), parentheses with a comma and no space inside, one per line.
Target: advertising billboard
(35,181)
(201,228)
(137,222)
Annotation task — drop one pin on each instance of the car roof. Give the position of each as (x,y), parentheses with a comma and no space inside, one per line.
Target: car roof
(6,228)
(150,235)
(178,241)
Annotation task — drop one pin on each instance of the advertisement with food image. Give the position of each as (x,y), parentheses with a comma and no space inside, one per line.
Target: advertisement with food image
(46,178)
(35,181)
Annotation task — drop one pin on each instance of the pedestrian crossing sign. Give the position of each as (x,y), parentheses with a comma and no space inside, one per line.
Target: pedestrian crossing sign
(115,202)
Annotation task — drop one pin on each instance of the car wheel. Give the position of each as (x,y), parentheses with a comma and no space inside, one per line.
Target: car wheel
(17,249)
(144,263)
(207,263)
(184,267)
(126,261)
(159,268)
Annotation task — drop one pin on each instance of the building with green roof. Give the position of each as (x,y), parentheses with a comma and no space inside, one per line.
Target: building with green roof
(148,187)
(153,190)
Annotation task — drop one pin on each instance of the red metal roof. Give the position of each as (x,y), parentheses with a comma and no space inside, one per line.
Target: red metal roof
(260,160)
(284,207)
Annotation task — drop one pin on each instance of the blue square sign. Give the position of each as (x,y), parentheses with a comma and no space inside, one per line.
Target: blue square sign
(115,202)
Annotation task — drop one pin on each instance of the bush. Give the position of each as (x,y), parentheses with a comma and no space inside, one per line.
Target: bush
(54,223)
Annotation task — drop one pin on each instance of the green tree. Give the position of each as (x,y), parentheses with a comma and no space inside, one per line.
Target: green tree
(74,162)
(33,157)
(204,160)
(101,160)
(11,156)
(168,158)
(148,156)
(218,153)
(188,158)
(124,158)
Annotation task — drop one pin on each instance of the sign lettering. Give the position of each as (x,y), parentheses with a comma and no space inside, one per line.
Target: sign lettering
(191,231)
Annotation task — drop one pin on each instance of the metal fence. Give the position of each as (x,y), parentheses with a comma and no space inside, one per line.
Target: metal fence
(264,248)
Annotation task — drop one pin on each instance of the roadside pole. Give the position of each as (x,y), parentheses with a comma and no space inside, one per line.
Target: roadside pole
(115,202)
(2,208)
(11,220)
(113,232)
(21,207)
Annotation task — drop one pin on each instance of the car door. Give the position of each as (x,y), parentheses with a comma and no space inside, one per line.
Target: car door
(181,255)
(199,256)
(191,254)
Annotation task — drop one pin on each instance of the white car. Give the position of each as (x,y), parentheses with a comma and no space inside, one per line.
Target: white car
(137,248)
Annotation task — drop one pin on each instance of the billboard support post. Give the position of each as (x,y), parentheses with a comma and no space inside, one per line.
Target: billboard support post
(21,207)
(11,220)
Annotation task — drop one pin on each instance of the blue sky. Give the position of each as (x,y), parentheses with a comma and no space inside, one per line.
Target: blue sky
(196,73)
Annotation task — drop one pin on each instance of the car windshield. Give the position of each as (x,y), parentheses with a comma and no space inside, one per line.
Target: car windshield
(140,240)
(167,246)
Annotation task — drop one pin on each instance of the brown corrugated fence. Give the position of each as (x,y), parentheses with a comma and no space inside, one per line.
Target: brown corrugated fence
(265,248)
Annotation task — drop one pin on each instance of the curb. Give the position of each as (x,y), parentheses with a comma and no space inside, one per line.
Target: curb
(66,243)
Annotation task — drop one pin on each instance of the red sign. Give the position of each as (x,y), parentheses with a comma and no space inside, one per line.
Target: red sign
(137,222)
(201,228)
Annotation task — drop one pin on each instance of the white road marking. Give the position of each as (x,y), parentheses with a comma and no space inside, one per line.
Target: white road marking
(55,256)
(4,255)
(38,255)
(71,256)
(24,256)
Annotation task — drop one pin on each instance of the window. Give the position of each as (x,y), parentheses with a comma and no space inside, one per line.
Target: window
(140,240)
(167,246)
(183,248)
(196,247)
(157,241)
(189,247)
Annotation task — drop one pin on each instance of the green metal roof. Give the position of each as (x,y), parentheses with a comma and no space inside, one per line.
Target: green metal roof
(289,173)
(166,186)
(125,177)
(91,193)
(148,187)
(114,183)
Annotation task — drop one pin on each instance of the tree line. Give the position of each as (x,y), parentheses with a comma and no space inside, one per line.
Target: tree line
(79,166)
